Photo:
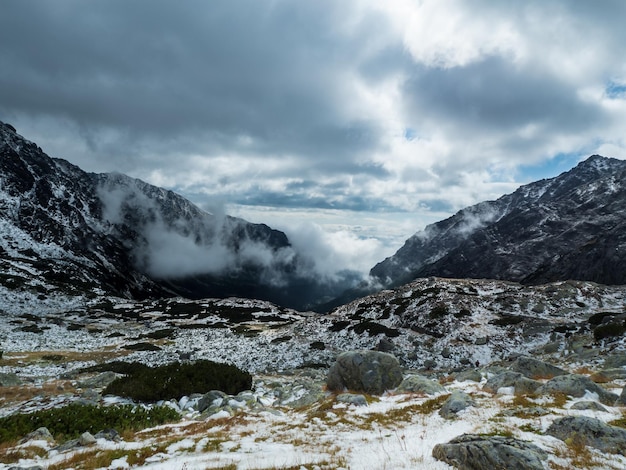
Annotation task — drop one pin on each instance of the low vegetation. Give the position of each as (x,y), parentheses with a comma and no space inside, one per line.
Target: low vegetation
(151,384)
(72,420)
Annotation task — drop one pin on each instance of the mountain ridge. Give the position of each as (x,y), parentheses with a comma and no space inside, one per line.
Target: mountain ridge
(539,233)
(82,231)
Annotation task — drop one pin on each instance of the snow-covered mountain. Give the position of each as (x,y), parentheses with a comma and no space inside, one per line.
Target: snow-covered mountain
(572,226)
(63,229)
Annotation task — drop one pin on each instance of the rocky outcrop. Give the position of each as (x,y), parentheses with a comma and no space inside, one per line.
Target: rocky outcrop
(479,452)
(576,386)
(590,431)
(371,372)
(521,385)
(534,368)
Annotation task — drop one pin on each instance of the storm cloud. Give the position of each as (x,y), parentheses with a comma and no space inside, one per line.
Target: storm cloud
(372,108)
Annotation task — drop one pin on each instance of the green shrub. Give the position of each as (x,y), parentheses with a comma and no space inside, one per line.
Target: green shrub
(72,420)
(438,311)
(151,384)
(119,367)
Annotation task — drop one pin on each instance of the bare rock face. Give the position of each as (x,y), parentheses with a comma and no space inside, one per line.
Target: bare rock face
(478,452)
(371,372)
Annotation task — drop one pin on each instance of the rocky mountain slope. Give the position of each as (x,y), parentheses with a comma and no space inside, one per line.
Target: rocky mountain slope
(62,229)
(572,226)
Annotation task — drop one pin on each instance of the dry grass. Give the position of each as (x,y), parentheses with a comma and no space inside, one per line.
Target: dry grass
(9,453)
(577,453)
(21,358)
(25,392)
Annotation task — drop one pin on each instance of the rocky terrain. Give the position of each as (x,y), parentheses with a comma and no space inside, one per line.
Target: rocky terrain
(568,227)
(482,368)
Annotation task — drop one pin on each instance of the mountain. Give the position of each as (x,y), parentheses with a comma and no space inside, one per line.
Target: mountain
(65,230)
(572,226)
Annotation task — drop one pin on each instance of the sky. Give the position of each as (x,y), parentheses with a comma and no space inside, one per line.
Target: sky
(354,122)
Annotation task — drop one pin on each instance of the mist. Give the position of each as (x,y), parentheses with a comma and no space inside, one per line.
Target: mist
(171,239)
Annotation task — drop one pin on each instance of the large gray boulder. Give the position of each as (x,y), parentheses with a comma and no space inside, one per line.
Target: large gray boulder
(420,384)
(592,431)
(371,372)
(575,386)
(535,369)
(479,452)
(456,402)
(522,385)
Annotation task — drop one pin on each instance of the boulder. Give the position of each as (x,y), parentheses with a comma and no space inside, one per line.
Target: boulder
(352,399)
(592,431)
(212,398)
(576,386)
(39,434)
(534,368)
(469,375)
(522,385)
(9,380)
(479,452)
(419,384)
(615,360)
(99,381)
(371,372)
(456,402)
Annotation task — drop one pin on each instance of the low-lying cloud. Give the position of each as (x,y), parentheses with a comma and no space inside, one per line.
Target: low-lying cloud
(173,239)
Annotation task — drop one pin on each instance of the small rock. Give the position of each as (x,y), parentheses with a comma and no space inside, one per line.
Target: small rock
(534,368)
(457,401)
(86,439)
(592,431)
(352,399)
(474,451)
(481,341)
(40,434)
(588,405)
(109,435)
(445,353)
(419,384)
(576,386)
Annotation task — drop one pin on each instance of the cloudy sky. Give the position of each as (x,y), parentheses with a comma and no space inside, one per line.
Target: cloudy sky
(354,122)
